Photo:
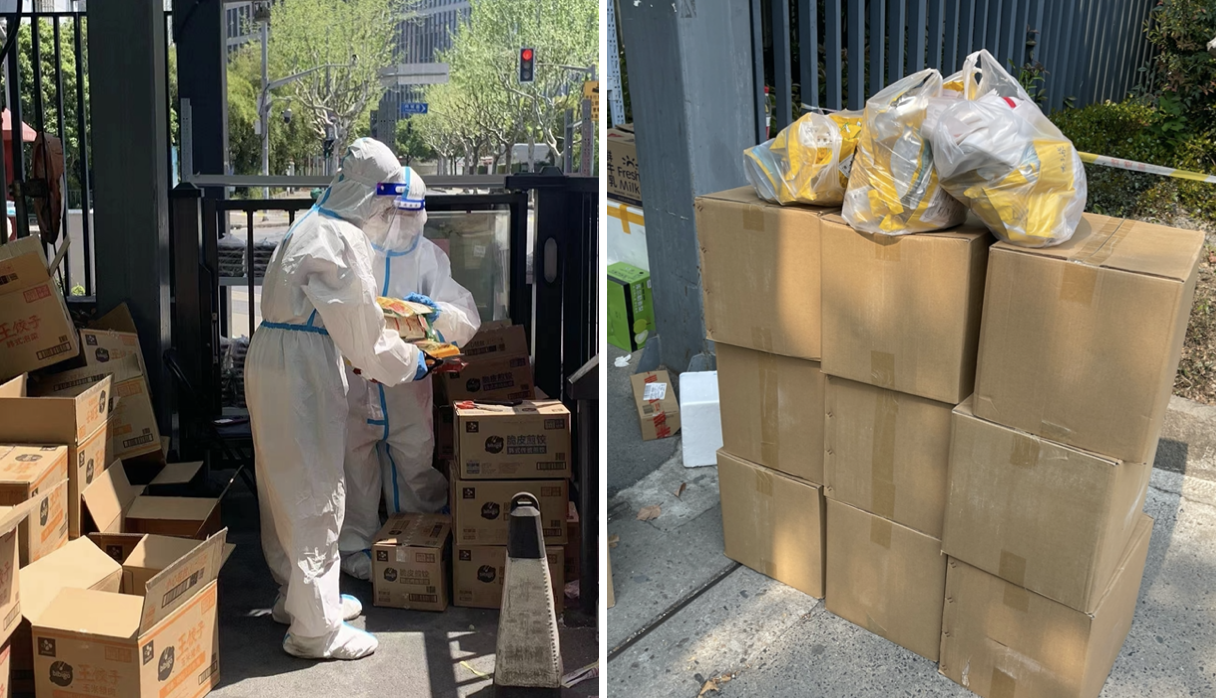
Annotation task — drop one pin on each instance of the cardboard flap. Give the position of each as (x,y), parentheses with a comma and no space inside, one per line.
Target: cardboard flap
(80,563)
(108,498)
(117,546)
(27,464)
(68,383)
(11,517)
(117,320)
(416,530)
(179,582)
(15,387)
(177,474)
(23,264)
(66,419)
(88,612)
(173,508)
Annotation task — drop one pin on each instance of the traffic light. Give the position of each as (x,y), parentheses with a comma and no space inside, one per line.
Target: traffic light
(526,64)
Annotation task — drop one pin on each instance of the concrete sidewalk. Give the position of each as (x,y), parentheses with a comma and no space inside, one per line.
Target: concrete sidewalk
(685,613)
(421,655)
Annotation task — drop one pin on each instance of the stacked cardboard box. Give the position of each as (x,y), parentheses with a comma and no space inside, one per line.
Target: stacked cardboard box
(499,368)
(760,276)
(1050,461)
(410,559)
(502,450)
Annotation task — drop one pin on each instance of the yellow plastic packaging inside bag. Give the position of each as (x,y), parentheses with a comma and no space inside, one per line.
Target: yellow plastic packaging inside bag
(893,187)
(808,162)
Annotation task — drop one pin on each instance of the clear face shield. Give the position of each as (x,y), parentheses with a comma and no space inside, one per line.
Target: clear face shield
(405,213)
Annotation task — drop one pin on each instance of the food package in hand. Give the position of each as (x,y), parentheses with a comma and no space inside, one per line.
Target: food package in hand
(808,162)
(998,154)
(410,320)
(893,187)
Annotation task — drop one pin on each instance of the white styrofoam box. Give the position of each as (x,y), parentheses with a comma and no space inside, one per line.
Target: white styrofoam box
(700,418)
(627,235)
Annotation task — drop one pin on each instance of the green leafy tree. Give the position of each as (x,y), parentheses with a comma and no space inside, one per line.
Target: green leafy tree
(410,145)
(289,142)
(356,39)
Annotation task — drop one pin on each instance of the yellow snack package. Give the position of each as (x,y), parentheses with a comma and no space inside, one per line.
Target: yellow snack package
(808,162)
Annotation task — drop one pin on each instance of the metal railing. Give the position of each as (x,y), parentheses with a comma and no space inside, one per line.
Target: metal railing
(836,53)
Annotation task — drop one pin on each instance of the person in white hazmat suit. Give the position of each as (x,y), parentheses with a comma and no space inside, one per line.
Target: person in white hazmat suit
(390,437)
(318,306)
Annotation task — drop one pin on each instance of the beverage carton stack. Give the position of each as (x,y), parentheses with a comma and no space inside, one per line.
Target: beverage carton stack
(498,441)
(949,440)
(1050,459)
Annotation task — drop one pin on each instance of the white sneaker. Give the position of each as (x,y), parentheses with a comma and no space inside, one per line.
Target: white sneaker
(346,642)
(358,565)
(352,608)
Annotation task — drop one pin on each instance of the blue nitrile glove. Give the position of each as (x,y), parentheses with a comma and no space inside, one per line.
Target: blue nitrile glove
(425,300)
(422,368)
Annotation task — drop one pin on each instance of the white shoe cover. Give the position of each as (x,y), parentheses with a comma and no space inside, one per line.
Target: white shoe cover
(352,608)
(358,565)
(347,642)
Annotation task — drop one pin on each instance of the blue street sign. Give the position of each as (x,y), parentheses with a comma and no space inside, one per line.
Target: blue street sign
(408,108)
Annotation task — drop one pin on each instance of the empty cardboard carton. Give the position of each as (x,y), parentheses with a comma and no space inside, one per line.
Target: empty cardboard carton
(112,337)
(887,453)
(477,575)
(527,440)
(40,474)
(160,643)
(77,419)
(1045,516)
(1081,341)
(772,410)
(177,480)
(118,546)
(772,523)
(760,273)
(35,327)
(654,395)
(10,561)
(409,562)
(480,509)
(79,564)
(886,578)
(494,340)
(999,640)
(903,312)
(113,505)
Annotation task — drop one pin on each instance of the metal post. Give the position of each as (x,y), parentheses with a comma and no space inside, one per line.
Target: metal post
(692,67)
(568,154)
(587,126)
(127,76)
(264,108)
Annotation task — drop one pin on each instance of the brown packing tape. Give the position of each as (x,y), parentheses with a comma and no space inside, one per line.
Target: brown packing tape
(1003,685)
(764,483)
(1017,598)
(1098,240)
(1055,432)
(762,339)
(882,369)
(1013,568)
(1104,252)
(874,626)
(880,532)
(882,456)
(768,568)
(1078,283)
(1025,451)
(769,437)
(753,218)
(886,247)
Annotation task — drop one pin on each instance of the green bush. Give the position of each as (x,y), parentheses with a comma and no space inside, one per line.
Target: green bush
(1140,130)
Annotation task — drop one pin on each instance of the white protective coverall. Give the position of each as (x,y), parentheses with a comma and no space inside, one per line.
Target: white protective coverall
(390,435)
(318,305)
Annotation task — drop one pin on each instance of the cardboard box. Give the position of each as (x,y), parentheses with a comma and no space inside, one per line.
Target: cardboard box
(630,306)
(78,418)
(494,378)
(497,339)
(118,546)
(885,578)
(903,312)
(772,523)
(113,505)
(6,668)
(10,563)
(654,395)
(46,530)
(162,642)
(887,453)
(481,508)
(35,327)
(1047,517)
(112,337)
(445,433)
(528,440)
(760,273)
(178,480)
(1000,640)
(478,572)
(1081,341)
(132,430)
(26,469)
(79,564)
(772,410)
(624,182)
(409,562)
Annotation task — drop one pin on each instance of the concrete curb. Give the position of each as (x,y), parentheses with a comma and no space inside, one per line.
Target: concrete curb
(1188,439)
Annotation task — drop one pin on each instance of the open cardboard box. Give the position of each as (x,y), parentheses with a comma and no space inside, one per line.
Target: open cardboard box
(113,505)
(37,474)
(160,639)
(35,327)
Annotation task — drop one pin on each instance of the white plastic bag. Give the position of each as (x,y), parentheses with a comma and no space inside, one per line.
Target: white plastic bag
(997,153)
(808,162)
(893,187)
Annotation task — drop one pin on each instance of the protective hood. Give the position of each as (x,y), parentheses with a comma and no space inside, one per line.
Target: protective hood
(352,194)
(405,225)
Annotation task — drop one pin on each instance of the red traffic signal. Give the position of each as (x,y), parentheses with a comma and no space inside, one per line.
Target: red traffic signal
(526,65)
